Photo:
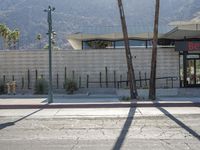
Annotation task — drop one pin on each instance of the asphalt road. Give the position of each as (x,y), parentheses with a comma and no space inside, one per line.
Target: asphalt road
(150,132)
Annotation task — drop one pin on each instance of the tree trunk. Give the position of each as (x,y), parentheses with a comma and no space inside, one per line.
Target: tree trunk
(131,74)
(152,89)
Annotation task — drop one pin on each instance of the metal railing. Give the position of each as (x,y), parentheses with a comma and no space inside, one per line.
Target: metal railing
(168,81)
(141,83)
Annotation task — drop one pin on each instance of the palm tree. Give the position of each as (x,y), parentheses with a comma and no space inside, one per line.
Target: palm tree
(4,31)
(9,39)
(131,74)
(39,38)
(1,29)
(15,37)
(152,83)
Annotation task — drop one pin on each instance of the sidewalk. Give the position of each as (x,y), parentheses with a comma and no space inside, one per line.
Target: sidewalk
(90,101)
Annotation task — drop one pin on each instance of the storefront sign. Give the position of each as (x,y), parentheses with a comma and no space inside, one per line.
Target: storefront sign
(187,46)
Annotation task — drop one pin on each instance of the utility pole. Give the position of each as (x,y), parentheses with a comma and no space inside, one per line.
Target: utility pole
(49,20)
(131,74)
(152,83)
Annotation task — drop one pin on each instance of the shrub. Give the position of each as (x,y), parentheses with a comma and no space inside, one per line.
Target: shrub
(2,88)
(41,86)
(125,98)
(70,86)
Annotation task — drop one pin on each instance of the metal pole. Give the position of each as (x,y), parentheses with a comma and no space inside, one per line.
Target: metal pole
(50,92)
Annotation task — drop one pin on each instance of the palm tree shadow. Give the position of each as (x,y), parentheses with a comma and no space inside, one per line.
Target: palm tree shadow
(8,124)
(125,129)
(180,123)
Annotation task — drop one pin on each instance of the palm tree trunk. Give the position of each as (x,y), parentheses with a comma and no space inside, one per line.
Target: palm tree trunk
(152,89)
(131,74)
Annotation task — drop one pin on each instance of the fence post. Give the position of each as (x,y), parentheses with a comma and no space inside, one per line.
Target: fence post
(140,79)
(80,82)
(4,79)
(166,83)
(106,70)
(145,75)
(13,78)
(73,74)
(65,74)
(36,75)
(22,82)
(57,80)
(120,81)
(100,80)
(172,82)
(127,74)
(28,79)
(114,78)
(87,81)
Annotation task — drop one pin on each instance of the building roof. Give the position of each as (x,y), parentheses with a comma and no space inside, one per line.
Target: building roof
(112,36)
(181,31)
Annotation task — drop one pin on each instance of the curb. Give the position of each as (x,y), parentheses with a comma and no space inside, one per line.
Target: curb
(92,105)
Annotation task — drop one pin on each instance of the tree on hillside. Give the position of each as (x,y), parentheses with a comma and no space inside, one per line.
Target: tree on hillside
(15,37)
(39,38)
(4,32)
(10,38)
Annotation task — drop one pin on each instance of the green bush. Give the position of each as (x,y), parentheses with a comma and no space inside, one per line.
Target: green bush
(41,86)
(2,88)
(70,86)
(125,98)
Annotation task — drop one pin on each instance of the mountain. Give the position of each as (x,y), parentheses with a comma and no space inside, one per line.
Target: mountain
(87,16)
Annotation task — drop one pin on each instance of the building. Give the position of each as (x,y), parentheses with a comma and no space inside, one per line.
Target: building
(184,40)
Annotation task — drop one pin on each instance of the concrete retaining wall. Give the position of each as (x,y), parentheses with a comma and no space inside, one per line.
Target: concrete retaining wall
(17,63)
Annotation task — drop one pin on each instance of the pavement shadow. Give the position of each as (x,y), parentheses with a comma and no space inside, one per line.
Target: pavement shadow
(180,123)
(119,142)
(7,124)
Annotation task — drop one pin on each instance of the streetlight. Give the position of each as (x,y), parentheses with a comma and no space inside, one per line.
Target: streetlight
(49,20)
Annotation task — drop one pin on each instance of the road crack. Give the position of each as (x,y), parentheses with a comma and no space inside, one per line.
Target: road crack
(76,143)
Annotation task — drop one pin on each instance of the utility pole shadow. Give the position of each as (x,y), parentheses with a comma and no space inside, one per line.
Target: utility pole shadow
(7,124)
(126,127)
(180,123)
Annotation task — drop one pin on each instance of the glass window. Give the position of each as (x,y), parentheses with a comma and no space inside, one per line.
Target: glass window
(132,43)
(137,43)
(97,44)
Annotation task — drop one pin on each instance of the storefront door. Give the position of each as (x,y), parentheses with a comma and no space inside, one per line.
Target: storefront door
(193,72)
